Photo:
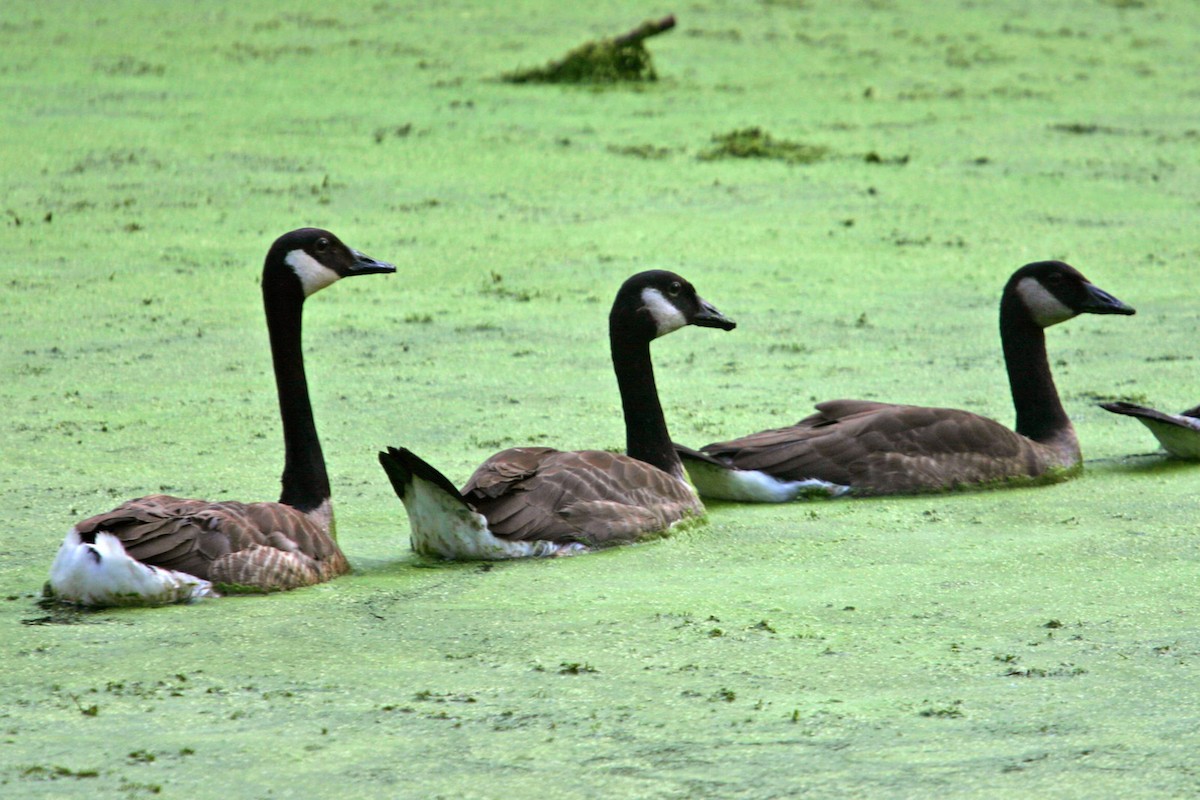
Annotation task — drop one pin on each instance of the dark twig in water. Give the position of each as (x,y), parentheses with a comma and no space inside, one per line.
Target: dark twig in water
(651,27)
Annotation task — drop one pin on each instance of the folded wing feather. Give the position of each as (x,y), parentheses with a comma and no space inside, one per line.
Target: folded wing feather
(591,496)
(886,448)
(257,545)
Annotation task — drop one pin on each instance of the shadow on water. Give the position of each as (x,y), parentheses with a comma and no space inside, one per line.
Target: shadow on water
(1142,464)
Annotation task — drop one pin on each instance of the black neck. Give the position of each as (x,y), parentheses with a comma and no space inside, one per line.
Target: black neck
(1040,415)
(646,435)
(305,482)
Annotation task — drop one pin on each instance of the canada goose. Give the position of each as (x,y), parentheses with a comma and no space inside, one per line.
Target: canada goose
(868,448)
(1179,434)
(160,549)
(537,501)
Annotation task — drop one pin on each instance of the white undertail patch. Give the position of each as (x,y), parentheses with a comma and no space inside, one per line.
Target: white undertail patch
(103,574)
(314,276)
(1044,307)
(753,486)
(442,526)
(1178,440)
(667,316)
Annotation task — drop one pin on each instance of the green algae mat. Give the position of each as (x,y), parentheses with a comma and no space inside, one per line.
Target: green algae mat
(1039,641)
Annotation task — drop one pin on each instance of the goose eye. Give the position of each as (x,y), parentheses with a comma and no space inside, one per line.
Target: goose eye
(322,245)
(675,288)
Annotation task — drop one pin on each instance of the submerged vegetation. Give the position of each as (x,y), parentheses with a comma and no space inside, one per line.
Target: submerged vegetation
(621,59)
(757,143)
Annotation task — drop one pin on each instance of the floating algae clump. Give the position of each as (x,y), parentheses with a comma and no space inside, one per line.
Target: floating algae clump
(622,59)
(757,143)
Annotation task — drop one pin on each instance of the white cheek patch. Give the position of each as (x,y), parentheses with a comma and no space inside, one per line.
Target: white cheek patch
(314,276)
(666,316)
(1045,308)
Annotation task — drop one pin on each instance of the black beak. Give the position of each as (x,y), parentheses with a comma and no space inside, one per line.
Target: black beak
(365,265)
(1099,301)
(709,317)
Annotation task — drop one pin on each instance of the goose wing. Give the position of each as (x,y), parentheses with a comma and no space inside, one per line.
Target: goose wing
(590,496)
(258,545)
(883,448)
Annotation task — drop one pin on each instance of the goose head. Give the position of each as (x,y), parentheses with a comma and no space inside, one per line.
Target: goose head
(656,302)
(317,258)
(1051,292)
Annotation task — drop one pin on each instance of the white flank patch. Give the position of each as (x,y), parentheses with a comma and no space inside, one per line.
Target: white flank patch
(1045,308)
(753,486)
(442,526)
(667,317)
(314,276)
(103,574)
(1179,441)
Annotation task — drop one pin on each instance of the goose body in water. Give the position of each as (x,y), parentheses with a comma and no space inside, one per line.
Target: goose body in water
(160,549)
(863,447)
(537,501)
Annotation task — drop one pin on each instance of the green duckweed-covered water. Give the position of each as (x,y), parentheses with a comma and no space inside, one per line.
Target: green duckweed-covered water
(1032,642)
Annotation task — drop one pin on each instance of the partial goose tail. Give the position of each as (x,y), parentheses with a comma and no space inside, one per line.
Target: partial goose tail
(403,466)
(1143,413)
(715,479)
(1179,434)
(441,521)
(102,574)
